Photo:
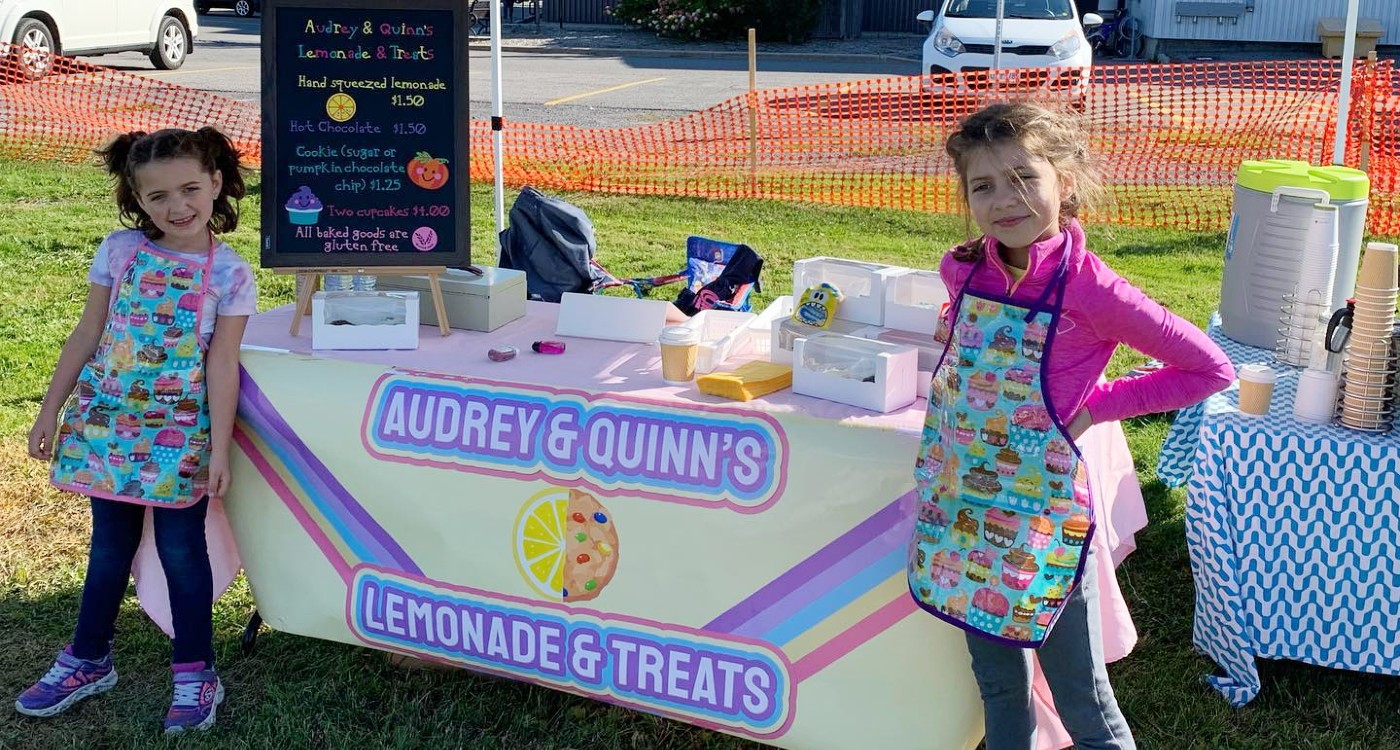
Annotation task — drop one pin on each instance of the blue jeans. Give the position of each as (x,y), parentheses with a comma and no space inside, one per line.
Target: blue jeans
(1072,659)
(184,557)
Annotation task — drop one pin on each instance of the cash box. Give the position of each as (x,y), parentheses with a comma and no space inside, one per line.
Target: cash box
(473,303)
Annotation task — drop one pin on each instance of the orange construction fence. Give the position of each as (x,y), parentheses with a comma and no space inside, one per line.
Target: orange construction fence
(1168,137)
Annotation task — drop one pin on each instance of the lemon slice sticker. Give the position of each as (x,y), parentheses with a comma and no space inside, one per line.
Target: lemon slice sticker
(539,542)
(340,107)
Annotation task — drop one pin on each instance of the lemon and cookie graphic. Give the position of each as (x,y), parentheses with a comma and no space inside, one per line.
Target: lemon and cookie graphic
(566,545)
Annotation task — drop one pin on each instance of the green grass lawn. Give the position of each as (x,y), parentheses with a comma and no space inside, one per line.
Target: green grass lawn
(295,692)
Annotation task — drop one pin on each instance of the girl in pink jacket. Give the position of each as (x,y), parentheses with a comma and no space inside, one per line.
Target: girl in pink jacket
(1006,514)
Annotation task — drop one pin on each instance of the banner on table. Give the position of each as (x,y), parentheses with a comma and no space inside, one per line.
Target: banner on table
(710,456)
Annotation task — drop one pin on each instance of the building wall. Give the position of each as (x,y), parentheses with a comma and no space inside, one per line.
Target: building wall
(1256,20)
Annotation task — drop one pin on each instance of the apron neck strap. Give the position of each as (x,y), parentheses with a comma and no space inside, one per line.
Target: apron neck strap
(1057,282)
(208,262)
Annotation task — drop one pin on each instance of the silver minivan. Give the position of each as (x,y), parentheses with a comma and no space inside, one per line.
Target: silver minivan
(39,29)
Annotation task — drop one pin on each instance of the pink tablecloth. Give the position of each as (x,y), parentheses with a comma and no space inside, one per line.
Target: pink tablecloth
(634,369)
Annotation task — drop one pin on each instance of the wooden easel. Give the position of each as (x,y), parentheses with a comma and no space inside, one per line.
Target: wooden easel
(311,280)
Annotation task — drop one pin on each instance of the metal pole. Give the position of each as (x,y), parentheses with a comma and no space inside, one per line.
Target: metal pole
(996,44)
(498,145)
(753,112)
(1339,143)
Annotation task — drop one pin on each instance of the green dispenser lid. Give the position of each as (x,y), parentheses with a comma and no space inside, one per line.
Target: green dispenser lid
(1342,183)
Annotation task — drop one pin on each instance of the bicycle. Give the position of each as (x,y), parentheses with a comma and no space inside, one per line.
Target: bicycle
(1120,35)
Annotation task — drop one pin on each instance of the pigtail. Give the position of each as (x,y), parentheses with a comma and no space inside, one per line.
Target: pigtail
(971,251)
(116,159)
(222,156)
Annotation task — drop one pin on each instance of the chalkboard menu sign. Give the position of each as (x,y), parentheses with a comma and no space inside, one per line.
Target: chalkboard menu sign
(364,134)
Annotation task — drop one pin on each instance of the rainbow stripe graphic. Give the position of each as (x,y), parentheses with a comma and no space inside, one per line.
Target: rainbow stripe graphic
(340,527)
(826,606)
(840,597)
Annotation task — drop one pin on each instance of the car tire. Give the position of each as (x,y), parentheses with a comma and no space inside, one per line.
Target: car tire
(34,49)
(243,8)
(172,44)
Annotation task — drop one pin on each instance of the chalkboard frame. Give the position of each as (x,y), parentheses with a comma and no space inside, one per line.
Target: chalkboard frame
(273,183)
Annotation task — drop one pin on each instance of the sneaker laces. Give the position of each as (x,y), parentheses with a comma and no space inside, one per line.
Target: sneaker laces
(187,693)
(58,673)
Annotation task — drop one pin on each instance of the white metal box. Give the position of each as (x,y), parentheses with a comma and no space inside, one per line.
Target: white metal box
(364,320)
(473,303)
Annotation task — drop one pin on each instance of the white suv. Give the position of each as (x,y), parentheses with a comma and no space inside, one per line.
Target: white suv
(1045,34)
(39,29)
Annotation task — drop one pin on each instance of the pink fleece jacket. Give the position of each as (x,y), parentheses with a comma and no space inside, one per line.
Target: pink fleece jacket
(1101,311)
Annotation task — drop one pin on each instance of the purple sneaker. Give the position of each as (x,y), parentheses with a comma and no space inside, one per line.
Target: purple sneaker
(198,693)
(68,681)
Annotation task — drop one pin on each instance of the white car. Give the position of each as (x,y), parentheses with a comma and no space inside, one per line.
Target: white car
(1046,34)
(40,29)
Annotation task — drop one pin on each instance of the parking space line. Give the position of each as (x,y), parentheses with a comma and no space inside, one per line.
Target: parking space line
(585,94)
(153,73)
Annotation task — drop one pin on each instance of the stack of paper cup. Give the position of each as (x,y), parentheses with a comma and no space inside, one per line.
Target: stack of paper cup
(1370,362)
(1317,270)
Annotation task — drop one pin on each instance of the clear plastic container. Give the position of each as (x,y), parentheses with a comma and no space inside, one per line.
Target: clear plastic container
(843,356)
(338,282)
(350,282)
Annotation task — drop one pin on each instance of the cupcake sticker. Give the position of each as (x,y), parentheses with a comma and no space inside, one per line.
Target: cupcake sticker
(304,208)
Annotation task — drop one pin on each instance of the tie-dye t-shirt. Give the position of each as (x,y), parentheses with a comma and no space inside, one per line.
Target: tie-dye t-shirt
(230,289)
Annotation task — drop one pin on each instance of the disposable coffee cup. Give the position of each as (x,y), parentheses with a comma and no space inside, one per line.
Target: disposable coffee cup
(679,347)
(1256,389)
(1316,400)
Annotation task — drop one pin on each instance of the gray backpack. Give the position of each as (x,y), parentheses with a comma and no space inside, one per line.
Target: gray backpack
(552,241)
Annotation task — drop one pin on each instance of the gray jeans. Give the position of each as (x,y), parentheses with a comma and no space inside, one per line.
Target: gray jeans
(1072,659)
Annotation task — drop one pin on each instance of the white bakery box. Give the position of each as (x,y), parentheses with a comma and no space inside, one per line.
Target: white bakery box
(862,285)
(913,300)
(473,303)
(782,331)
(723,334)
(861,372)
(364,320)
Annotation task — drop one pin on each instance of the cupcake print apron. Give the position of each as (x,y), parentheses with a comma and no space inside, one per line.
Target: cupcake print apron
(1004,511)
(137,425)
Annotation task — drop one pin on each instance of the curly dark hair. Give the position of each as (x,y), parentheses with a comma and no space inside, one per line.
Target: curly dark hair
(1054,136)
(211,148)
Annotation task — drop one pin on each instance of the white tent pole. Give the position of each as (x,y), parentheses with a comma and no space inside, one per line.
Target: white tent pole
(1339,143)
(498,145)
(996,43)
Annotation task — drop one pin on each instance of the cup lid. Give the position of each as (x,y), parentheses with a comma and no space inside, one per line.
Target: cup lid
(1256,373)
(679,335)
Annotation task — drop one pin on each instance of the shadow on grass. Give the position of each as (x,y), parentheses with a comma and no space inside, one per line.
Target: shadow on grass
(298,692)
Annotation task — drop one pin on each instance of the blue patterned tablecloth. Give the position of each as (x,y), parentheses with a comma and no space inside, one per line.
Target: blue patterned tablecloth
(1294,534)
